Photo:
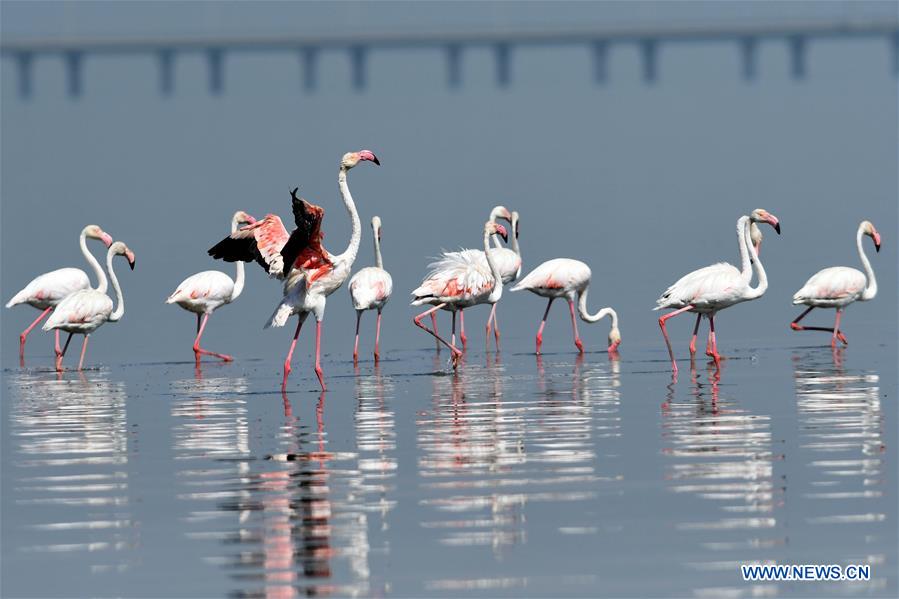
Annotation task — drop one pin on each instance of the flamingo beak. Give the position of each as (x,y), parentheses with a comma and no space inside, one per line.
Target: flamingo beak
(106,238)
(501,231)
(772,220)
(250,220)
(369,155)
(876,241)
(130,255)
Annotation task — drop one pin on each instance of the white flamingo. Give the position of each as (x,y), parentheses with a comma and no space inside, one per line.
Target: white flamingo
(839,286)
(508,261)
(719,286)
(309,271)
(564,277)
(45,291)
(206,291)
(460,283)
(370,288)
(84,311)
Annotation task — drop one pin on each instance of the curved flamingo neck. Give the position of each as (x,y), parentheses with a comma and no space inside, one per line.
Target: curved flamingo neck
(870,282)
(120,300)
(239,274)
(758,290)
(497,291)
(587,317)
(349,255)
(102,284)
(745,265)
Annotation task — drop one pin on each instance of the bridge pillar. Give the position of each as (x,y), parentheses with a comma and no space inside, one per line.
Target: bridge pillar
(24,60)
(166,72)
(503,54)
(601,61)
(797,56)
(358,56)
(216,59)
(749,57)
(73,72)
(650,50)
(309,58)
(454,65)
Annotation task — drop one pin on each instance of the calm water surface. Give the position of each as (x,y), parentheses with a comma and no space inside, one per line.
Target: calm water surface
(518,476)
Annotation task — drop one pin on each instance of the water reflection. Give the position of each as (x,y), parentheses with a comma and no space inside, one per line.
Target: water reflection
(491,446)
(296,521)
(841,446)
(721,455)
(70,479)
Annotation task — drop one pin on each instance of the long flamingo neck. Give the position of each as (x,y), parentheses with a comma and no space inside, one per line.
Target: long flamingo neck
(239,274)
(745,265)
(378,261)
(497,291)
(514,233)
(102,284)
(349,255)
(758,290)
(120,300)
(587,317)
(871,282)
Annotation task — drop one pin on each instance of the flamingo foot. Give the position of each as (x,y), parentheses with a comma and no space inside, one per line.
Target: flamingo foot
(377,357)
(796,327)
(539,343)
(579,345)
(693,347)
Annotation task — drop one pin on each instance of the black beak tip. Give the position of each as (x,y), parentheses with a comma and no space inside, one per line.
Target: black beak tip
(375,160)
(777,228)
(131,264)
(877,247)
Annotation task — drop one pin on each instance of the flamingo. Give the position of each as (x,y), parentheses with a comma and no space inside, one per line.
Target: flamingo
(45,291)
(205,291)
(839,286)
(508,261)
(86,310)
(564,277)
(310,273)
(460,282)
(713,288)
(370,288)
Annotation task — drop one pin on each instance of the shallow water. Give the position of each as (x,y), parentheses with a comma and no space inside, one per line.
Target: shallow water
(518,476)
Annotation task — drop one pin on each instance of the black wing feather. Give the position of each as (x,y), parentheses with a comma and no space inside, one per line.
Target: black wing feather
(234,250)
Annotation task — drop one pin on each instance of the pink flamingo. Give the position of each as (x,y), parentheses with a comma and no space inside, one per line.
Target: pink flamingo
(508,261)
(84,311)
(564,277)
(719,286)
(45,291)
(370,288)
(458,281)
(309,271)
(206,291)
(839,286)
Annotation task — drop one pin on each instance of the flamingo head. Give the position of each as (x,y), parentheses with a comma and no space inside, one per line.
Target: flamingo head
(500,212)
(351,159)
(242,218)
(95,232)
(492,228)
(120,249)
(869,230)
(614,339)
(376,226)
(760,215)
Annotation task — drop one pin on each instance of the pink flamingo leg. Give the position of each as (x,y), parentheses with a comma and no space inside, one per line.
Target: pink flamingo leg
(715,354)
(490,322)
(198,351)
(300,318)
(378,338)
(318,353)
(543,324)
(28,330)
(836,329)
(418,323)
(577,338)
(356,344)
(62,353)
(56,347)
(695,331)
(83,350)
(665,332)
(434,326)
(495,327)
(462,329)
(797,327)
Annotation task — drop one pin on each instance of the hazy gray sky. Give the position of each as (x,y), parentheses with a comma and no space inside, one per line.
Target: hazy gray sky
(642,182)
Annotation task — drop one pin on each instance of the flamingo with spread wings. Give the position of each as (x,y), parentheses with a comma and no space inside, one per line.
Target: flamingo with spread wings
(310,273)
